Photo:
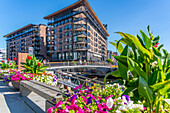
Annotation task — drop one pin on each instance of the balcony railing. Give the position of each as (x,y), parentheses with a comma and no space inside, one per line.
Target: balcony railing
(79,19)
(79,26)
(80,33)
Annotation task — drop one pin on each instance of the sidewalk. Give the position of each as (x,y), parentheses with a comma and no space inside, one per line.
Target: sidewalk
(10,100)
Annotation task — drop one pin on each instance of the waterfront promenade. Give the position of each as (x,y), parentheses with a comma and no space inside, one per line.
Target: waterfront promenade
(10,100)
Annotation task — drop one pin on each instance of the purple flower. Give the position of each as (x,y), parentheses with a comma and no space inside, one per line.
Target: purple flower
(58,94)
(67,91)
(126,96)
(89,100)
(73,97)
(67,95)
(54,80)
(54,100)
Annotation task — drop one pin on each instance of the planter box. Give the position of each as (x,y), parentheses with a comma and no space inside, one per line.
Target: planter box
(16,85)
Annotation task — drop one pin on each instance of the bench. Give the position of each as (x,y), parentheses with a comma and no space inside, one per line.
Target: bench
(47,92)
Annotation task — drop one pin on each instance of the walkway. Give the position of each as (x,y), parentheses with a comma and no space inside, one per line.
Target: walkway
(10,100)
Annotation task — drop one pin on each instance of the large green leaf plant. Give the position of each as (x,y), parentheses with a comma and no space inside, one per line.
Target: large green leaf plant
(144,70)
(33,65)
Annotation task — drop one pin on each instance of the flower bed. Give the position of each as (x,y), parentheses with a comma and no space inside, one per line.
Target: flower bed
(97,100)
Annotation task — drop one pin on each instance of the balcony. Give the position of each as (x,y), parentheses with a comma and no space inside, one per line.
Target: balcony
(37,48)
(80,48)
(81,41)
(80,34)
(37,39)
(36,53)
(79,27)
(37,44)
(80,21)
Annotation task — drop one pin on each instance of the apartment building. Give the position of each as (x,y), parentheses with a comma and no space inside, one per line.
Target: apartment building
(30,35)
(2,55)
(76,33)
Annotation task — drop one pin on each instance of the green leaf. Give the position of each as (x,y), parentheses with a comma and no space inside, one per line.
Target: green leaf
(114,73)
(128,90)
(164,89)
(167,101)
(141,41)
(153,78)
(147,40)
(118,46)
(159,47)
(157,53)
(136,42)
(167,76)
(160,85)
(144,90)
(123,71)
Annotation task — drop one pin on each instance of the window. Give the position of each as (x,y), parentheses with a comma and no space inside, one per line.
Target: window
(88,40)
(55,42)
(66,55)
(55,48)
(66,21)
(61,35)
(65,47)
(88,27)
(68,27)
(61,29)
(55,36)
(62,22)
(71,56)
(59,55)
(60,47)
(55,31)
(88,46)
(88,34)
(63,56)
(61,41)
(70,19)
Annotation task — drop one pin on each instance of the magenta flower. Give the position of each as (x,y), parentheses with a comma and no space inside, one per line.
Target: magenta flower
(50,110)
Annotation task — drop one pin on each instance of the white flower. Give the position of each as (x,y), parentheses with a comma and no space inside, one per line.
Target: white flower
(124,99)
(123,108)
(109,102)
(117,111)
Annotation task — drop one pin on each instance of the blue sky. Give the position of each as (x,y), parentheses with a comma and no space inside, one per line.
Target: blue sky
(121,15)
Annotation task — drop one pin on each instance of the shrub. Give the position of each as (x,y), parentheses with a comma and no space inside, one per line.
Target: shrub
(150,79)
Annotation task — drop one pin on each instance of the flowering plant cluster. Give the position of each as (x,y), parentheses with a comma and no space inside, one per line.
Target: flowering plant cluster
(17,76)
(47,78)
(33,65)
(91,101)
(9,64)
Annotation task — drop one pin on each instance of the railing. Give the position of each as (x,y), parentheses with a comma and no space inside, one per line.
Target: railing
(72,80)
(54,64)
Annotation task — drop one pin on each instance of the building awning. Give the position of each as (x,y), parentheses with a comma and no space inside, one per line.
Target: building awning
(97,55)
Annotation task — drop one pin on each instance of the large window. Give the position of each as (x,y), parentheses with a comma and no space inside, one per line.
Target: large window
(61,36)
(55,36)
(88,27)
(61,29)
(55,31)
(55,48)
(88,46)
(55,42)
(88,34)
(61,41)
(60,47)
